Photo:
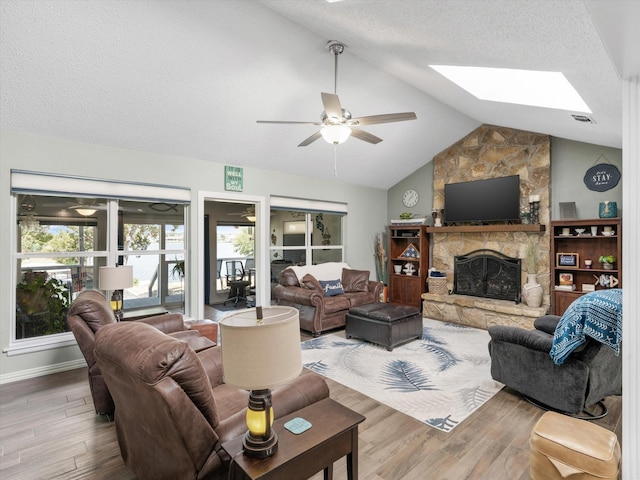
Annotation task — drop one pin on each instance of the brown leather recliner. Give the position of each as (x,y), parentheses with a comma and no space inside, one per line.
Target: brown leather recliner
(173,412)
(89,312)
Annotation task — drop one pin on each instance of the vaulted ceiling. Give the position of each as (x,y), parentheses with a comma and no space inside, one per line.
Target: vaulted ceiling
(190,78)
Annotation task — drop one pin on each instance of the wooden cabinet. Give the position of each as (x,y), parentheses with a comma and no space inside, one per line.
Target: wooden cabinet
(409,250)
(569,251)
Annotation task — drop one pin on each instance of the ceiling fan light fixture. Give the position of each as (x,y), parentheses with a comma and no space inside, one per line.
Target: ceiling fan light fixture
(335,134)
(86,212)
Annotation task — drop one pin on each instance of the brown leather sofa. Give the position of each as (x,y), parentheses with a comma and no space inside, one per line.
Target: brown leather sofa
(319,313)
(173,412)
(89,312)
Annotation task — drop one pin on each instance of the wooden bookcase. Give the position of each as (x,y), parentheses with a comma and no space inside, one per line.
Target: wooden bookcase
(407,288)
(582,247)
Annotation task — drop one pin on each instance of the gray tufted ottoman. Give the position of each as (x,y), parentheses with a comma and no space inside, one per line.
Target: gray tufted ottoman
(386,324)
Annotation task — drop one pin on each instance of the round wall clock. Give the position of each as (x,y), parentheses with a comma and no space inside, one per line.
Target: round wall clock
(410,198)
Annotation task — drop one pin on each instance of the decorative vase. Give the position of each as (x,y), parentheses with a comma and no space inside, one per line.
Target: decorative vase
(608,209)
(532,291)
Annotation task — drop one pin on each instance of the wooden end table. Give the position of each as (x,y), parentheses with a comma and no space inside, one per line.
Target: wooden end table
(207,328)
(334,434)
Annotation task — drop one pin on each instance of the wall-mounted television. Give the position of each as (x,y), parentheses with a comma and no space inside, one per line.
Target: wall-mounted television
(481,201)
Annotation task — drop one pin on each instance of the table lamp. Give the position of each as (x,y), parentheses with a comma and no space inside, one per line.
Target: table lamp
(260,350)
(116,279)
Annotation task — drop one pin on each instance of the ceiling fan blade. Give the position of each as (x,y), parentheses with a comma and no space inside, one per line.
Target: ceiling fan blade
(311,139)
(384,118)
(366,136)
(285,121)
(332,105)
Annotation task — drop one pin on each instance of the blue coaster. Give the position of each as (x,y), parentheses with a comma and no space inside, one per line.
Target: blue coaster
(297,425)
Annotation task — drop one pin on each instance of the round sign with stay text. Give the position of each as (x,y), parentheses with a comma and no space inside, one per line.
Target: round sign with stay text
(602,177)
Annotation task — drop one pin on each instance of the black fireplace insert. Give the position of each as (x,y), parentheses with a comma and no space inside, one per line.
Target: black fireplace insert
(489,274)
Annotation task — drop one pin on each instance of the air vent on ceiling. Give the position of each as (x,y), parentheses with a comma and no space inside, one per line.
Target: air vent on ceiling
(582,118)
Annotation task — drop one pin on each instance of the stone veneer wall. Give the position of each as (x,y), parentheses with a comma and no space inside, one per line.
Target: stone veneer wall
(490,152)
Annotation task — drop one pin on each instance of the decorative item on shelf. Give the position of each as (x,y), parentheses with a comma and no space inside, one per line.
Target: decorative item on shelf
(579,231)
(588,263)
(568,210)
(608,231)
(437,214)
(608,209)
(525,217)
(594,230)
(567,260)
(411,252)
(409,269)
(534,209)
(607,261)
(407,218)
(606,281)
(116,279)
(260,350)
(397,269)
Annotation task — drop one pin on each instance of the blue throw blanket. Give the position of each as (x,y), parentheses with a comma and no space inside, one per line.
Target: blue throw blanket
(597,314)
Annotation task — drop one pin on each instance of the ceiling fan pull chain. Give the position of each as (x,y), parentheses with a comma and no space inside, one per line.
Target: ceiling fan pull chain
(335,160)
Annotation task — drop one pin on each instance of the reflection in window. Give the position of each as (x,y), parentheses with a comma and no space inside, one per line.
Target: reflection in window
(300,238)
(153,242)
(62,241)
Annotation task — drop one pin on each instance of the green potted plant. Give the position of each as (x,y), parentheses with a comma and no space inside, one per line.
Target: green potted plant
(607,261)
(42,301)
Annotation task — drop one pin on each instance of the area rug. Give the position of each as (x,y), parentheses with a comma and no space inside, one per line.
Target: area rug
(440,379)
(229,306)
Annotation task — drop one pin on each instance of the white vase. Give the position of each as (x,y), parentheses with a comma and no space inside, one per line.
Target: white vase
(532,291)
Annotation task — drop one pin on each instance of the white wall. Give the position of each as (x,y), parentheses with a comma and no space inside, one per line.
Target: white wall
(367,207)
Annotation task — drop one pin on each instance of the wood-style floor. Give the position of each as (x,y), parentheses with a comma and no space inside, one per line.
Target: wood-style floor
(49,430)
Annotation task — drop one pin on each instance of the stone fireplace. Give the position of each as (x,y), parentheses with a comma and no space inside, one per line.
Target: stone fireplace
(489,152)
(487,274)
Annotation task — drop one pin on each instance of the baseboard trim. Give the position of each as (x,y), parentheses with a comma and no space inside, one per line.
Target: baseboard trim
(41,371)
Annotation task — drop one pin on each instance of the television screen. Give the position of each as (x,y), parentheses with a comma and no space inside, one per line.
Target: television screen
(491,200)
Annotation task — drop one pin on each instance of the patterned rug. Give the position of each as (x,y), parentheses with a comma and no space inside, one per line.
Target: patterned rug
(440,380)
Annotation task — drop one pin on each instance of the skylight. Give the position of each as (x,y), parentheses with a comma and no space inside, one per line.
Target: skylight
(523,87)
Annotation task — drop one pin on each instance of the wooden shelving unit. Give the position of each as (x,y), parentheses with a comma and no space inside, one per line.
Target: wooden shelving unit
(587,247)
(407,288)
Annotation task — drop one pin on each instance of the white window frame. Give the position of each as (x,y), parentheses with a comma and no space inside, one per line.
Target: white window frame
(39,183)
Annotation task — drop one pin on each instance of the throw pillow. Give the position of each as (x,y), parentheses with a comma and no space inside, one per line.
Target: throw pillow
(310,282)
(332,288)
(355,280)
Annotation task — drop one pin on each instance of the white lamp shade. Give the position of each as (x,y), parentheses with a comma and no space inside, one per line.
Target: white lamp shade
(258,356)
(335,133)
(116,278)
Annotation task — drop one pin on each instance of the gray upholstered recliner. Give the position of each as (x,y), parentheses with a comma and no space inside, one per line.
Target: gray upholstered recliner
(520,359)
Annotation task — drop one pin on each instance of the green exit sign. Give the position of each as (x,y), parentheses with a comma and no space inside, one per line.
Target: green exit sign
(233,178)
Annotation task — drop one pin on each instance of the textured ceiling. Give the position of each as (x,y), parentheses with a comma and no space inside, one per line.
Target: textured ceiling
(191,78)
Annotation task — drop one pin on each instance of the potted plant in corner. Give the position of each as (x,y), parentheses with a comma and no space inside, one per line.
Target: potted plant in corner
(532,291)
(607,261)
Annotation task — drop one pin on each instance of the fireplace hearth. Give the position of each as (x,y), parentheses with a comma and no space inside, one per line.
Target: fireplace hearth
(488,274)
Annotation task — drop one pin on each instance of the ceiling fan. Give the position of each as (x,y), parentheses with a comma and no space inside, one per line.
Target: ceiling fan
(337,123)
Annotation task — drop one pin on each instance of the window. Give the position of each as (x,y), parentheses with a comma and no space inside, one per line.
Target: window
(303,237)
(63,238)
